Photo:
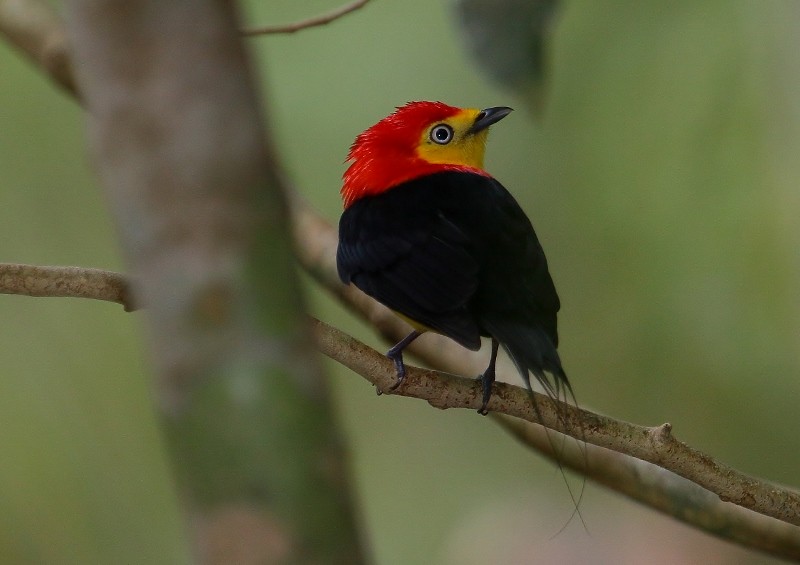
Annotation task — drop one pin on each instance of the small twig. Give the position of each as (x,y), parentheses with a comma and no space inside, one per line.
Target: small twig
(74,282)
(322,19)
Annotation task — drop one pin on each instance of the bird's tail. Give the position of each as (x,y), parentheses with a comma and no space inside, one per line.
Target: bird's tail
(533,352)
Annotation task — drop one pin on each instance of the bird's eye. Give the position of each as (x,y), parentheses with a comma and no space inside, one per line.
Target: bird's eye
(442,134)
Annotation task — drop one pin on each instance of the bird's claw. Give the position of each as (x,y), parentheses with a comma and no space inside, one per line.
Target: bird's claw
(400,368)
(400,380)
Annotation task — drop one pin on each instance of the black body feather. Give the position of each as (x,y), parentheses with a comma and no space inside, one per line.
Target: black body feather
(456,253)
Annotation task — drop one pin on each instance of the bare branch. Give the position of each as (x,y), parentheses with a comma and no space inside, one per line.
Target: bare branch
(322,19)
(664,491)
(653,444)
(73,282)
(37,31)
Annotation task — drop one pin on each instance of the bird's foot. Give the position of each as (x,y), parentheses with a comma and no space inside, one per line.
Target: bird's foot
(399,367)
(396,355)
(486,380)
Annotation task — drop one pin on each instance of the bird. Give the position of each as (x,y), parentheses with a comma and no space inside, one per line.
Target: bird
(430,234)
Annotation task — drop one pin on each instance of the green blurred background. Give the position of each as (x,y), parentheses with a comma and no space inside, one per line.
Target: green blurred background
(661,178)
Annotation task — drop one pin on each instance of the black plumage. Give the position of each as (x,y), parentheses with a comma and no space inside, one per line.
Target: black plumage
(454,252)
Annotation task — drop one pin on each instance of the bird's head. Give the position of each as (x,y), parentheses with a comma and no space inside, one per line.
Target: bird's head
(418,139)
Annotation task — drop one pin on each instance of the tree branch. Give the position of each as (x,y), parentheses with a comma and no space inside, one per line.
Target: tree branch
(653,444)
(37,31)
(664,491)
(73,282)
(315,21)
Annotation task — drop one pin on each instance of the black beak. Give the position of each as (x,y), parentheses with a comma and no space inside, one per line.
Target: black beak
(488,117)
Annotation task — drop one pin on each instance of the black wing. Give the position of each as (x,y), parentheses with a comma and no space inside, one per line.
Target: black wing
(399,248)
(451,251)
(522,315)
(516,264)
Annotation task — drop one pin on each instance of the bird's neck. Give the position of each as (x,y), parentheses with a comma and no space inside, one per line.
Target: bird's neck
(370,176)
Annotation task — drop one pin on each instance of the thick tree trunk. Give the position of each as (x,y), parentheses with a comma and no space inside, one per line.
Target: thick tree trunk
(177,137)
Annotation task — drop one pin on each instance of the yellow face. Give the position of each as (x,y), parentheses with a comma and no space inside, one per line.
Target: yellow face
(451,142)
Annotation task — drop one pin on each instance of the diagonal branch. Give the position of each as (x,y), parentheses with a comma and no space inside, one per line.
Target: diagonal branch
(315,21)
(664,491)
(653,444)
(37,32)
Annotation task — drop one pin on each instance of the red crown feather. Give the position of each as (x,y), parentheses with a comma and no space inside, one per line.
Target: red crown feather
(385,155)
